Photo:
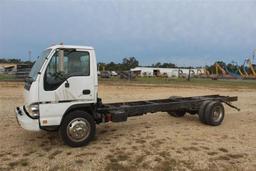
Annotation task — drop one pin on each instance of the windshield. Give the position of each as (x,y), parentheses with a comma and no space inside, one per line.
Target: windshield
(38,64)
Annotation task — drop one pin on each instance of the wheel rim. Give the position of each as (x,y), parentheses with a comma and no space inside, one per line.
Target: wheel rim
(78,129)
(217,114)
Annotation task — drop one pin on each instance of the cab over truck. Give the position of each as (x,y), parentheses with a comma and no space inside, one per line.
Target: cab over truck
(61,94)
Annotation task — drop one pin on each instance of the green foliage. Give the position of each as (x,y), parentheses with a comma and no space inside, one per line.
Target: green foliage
(130,62)
(7,77)
(127,64)
(232,67)
(14,60)
(164,65)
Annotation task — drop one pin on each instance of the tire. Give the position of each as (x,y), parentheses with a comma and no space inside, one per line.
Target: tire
(177,113)
(202,110)
(214,113)
(77,128)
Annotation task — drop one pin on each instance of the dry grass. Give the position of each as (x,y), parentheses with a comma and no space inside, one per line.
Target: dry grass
(151,142)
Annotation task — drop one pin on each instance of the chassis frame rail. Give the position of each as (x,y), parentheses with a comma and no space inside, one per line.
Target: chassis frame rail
(186,104)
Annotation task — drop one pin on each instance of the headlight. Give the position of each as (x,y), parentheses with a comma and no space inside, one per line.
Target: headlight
(33,110)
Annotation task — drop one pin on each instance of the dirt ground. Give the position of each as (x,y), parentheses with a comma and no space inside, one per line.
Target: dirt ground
(149,142)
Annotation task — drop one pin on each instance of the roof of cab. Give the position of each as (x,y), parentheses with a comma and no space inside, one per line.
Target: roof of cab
(70,47)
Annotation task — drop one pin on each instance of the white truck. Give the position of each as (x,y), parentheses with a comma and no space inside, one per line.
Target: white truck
(61,94)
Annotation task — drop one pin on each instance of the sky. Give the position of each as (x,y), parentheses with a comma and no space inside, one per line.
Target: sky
(184,32)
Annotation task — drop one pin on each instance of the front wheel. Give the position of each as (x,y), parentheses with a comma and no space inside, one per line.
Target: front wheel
(77,128)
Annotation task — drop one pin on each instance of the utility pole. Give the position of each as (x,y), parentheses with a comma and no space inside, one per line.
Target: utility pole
(29,55)
(189,73)
(253,55)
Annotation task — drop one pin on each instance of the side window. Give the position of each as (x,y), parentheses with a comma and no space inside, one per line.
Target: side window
(85,61)
(64,64)
(79,64)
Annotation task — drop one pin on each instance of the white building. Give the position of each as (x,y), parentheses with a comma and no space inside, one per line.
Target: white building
(2,69)
(170,72)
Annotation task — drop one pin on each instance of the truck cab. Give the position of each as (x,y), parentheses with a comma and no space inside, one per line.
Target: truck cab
(63,78)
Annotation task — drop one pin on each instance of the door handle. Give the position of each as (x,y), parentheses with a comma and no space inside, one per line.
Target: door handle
(86,92)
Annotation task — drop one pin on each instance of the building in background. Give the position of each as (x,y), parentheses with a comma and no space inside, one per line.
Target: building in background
(8,68)
(20,70)
(168,72)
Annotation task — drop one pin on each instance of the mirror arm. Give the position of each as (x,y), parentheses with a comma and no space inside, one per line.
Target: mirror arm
(67,83)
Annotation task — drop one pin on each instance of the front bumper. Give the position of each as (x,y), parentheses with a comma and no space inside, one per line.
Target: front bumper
(25,121)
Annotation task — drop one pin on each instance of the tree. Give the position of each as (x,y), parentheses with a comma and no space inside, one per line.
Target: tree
(129,62)
(157,65)
(221,63)
(232,68)
(212,68)
(101,66)
(164,65)
(168,65)
(11,60)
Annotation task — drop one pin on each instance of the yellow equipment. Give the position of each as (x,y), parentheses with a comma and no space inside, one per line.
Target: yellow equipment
(206,71)
(251,67)
(218,67)
(241,73)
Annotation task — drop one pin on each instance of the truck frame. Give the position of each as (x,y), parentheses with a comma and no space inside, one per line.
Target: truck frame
(67,102)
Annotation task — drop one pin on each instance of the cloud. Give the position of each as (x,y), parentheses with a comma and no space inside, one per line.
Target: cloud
(146,29)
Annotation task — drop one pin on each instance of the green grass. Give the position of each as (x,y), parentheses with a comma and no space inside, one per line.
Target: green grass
(7,77)
(205,82)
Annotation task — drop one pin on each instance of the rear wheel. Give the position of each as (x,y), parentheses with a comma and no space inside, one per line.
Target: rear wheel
(177,113)
(202,111)
(77,128)
(214,113)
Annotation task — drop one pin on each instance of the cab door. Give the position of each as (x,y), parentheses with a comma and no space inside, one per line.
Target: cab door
(68,79)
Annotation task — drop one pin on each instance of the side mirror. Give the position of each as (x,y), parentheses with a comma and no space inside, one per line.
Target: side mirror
(67,84)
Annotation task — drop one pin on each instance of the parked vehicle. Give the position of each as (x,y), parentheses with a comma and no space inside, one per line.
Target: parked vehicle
(61,93)
(114,73)
(105,74)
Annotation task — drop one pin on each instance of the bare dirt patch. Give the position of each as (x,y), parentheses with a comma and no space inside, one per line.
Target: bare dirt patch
(150,142)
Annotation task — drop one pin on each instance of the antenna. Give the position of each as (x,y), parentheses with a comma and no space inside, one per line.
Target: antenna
(253,55)
(29,55)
